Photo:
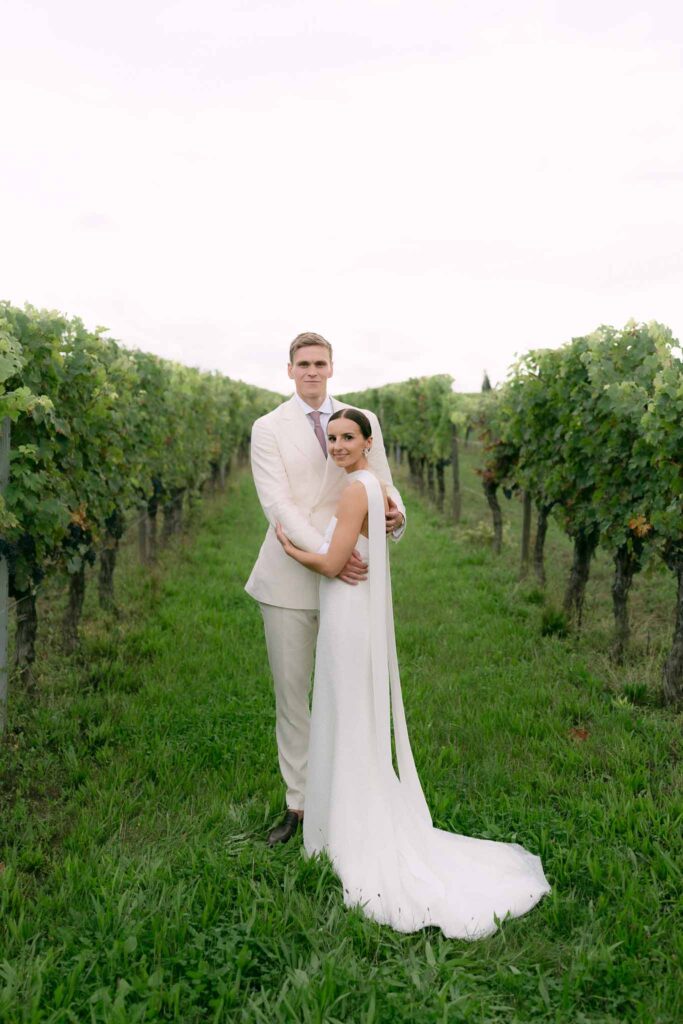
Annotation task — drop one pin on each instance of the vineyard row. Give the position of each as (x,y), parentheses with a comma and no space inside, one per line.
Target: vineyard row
(590,433)
(93,434)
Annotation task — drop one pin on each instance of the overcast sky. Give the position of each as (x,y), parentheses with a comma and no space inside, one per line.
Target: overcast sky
(434,186)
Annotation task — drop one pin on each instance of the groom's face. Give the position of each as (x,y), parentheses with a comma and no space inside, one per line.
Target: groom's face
(311,371)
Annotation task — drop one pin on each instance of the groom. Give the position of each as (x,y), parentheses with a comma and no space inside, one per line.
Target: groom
(299,487)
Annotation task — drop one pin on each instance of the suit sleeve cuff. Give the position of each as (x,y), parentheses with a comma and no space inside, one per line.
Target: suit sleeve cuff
(398,533)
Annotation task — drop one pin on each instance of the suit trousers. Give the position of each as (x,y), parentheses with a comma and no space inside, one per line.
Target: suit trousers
(291,635)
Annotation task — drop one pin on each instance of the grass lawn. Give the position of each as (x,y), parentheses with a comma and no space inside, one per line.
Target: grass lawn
(138,787)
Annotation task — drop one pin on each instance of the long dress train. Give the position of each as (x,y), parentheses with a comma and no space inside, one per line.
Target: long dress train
(374,823)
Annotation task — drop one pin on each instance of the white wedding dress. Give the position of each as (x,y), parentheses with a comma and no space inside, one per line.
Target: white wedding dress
(372,822)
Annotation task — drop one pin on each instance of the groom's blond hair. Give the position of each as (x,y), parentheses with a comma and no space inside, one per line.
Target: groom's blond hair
(308,338)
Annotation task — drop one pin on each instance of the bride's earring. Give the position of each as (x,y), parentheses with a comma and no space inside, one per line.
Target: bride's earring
(366,452)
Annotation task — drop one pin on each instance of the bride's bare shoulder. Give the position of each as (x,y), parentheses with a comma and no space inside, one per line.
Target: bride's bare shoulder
(358,487)
(353,497)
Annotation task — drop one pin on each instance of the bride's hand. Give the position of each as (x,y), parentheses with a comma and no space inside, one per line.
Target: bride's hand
(284,540)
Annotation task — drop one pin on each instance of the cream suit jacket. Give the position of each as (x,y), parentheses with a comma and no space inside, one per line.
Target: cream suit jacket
(298,487)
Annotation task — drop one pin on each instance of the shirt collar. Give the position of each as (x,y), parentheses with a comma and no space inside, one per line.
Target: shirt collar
(326,408)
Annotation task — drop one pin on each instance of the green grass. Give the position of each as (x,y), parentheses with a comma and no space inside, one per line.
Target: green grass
(138,788)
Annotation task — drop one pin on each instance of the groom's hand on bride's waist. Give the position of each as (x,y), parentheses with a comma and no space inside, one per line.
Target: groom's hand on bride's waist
(394,517)
(355,570)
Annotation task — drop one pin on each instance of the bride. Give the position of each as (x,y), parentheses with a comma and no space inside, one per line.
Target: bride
(368,816)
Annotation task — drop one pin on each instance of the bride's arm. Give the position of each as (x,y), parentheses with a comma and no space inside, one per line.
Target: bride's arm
(352,510)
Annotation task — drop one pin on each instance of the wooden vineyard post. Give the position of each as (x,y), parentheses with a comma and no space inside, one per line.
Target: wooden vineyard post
(4,579)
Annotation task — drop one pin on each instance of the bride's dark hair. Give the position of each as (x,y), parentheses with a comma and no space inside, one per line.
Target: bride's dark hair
(357,416)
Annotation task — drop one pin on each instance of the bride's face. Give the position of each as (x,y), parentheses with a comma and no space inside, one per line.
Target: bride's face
(345,443)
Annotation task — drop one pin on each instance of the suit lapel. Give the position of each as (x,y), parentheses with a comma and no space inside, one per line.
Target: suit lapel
(333,480)
(300,432)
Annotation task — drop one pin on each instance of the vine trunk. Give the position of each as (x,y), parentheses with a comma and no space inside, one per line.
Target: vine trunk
(455,467)
(440,484)
(542,515)
(106,575)
(526,534)
(491,492)
(673,666)
(74,608)
(626,565)
(585,543)
(27,630)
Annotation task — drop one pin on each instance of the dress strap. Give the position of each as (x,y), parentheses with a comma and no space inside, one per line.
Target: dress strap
(385,674)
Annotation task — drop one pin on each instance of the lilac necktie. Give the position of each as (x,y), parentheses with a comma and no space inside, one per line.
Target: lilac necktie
(315,416)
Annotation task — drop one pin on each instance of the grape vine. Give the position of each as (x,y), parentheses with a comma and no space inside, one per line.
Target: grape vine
(591,433)
(100,434)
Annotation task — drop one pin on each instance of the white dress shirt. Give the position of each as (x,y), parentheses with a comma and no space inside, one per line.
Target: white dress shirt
(325,411)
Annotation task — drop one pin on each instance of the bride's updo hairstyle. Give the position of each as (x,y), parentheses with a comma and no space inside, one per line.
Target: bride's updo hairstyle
(357,416)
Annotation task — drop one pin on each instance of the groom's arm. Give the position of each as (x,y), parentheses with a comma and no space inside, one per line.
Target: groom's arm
(377,460)
(272,487)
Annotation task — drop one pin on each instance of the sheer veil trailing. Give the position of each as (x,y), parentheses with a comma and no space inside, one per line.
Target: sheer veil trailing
(386,680)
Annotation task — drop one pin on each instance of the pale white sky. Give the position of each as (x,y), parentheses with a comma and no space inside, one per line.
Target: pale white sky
(434,186)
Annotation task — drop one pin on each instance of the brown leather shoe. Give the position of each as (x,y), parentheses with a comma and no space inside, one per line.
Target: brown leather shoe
(285,830)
